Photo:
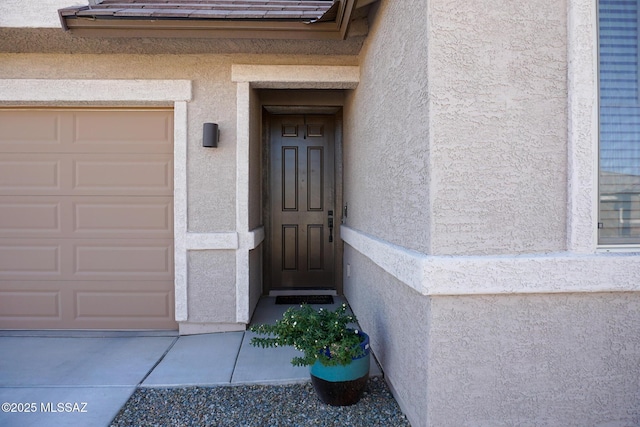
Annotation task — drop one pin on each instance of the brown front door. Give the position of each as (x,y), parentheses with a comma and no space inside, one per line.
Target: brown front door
(302,194)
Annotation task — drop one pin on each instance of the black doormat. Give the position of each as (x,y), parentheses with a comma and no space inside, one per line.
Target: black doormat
(304,299)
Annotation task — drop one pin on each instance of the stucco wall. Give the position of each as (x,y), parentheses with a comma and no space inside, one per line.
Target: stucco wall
(32,14)
(497,76)
(547,360)
(470,99)
(386,190)
(493,172)
(397,321)
(386,149)
(211,287)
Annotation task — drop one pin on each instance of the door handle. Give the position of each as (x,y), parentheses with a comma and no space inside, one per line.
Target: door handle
(330,225)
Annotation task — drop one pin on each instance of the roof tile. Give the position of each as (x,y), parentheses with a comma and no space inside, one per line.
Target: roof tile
(204,9)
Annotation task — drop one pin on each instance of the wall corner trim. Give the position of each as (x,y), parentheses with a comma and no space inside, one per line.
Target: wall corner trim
(54,90)
(582,129)
(561,272)
(211,241)
(297,76)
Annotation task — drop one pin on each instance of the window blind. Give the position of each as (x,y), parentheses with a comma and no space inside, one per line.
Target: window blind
(619,180)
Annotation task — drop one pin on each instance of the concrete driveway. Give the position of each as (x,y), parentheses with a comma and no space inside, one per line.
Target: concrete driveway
(72,381)
(50,379)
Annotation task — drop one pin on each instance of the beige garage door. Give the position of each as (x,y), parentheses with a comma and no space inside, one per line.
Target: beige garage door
(86,219)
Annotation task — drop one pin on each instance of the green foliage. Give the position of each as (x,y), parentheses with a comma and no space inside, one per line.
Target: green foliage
(315,333)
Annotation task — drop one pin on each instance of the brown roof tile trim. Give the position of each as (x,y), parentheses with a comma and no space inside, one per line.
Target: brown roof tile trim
(202,9)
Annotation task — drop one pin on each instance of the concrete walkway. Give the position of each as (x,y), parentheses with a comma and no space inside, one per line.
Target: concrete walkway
(83,378)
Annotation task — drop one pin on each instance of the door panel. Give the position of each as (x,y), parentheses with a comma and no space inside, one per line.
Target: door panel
(302,197)
(86,219)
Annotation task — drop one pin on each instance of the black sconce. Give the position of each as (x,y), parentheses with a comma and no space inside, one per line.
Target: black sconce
(210,135)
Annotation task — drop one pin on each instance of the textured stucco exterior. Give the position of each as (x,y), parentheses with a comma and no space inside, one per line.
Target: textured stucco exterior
(547,360)
(397,320)
(498,123)
(43,14)
(211,296)
(387,191)
(387,131)
(493,225)
(451,105)
(469,165)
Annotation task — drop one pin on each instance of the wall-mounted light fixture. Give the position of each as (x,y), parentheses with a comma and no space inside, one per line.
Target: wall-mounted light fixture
(210,135)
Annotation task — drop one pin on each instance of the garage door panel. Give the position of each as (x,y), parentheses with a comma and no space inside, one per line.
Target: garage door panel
(15,304)
(28,216)
(122,175)
(91,305)
(23,259)
(86,219)
(69,174)
(143,131)
(36,130)
(90,131)
(86,259)
(26,174)
(123,217)
(87,305)
(103,259)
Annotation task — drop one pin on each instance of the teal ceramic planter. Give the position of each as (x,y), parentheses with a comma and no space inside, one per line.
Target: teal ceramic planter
(343,385)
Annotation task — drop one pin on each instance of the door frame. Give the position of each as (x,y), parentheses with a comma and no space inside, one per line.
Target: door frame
(336,112)
(251,80)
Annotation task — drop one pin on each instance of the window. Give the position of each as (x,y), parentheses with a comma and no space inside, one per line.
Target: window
(619,180)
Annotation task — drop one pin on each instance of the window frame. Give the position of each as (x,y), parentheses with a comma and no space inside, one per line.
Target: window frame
(609,246)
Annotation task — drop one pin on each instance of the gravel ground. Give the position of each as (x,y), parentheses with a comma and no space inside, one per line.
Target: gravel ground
(287,405)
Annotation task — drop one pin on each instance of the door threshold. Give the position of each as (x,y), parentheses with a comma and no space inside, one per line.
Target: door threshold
(291,292)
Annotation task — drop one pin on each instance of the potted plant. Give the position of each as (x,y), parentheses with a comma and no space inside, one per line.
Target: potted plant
(337,354)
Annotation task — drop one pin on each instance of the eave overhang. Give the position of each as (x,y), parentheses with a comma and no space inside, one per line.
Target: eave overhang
(243,19)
